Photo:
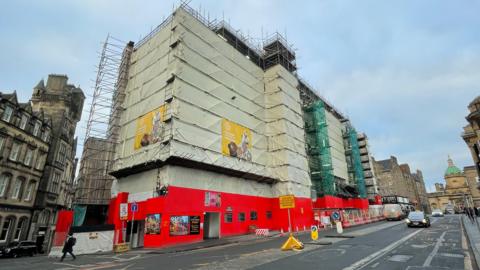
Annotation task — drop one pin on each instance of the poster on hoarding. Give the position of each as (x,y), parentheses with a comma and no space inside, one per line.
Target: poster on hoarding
(152,224)
(213,199)
(194,224)
(236,140)
(149,128)
(179,225)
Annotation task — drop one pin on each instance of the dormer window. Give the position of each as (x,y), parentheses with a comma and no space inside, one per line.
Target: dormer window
(23,121)
(36,128)
(7,114)
(46,135)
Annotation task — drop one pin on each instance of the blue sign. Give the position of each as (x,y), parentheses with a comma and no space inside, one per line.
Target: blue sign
(134,207)
(336,215)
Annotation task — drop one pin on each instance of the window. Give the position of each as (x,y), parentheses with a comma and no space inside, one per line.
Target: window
(2,142)
(28,157)
(15,151)
(55,181)
(16,188)
(62,153)
(5,229)
(31,187)
(253,215)
(228,218)
(269,214)
(241,216)
(4,180)
(40,161)
(23,121)
(7,114)
(36,128)
(18,230)
(46,135)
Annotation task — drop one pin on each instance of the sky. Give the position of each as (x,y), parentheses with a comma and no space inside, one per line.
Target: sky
(402,71)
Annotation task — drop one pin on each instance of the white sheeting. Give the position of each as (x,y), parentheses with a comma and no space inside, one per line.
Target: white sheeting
(88,243)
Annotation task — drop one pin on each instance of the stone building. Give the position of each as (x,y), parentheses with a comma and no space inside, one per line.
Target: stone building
(471,132)
(397,179)
(24,144)
(63,103)
(459,189)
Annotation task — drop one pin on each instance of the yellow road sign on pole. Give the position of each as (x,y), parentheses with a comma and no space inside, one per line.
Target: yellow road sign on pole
(287,201)
(314,232)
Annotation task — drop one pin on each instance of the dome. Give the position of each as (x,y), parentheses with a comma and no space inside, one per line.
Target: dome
(452,169)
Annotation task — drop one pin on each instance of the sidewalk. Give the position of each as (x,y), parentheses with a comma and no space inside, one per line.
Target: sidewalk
(473,235)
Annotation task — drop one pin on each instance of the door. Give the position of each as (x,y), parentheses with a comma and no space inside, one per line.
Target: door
(141,233)
(211,226)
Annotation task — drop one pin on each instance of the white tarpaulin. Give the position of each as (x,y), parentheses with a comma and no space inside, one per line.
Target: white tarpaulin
(88,243)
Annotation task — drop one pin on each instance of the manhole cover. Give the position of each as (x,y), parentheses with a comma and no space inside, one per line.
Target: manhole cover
(400,258)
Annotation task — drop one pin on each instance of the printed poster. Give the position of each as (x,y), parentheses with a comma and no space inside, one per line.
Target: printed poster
(194,224)
(152,224)
(179,225)
(149,128)
(213,199)
(236,140)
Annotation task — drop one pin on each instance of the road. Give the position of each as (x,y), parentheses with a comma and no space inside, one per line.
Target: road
(383,245)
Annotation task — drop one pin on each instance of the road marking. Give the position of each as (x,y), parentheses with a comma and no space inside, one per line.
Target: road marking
(372,257)
(432,254)
(451,255)
(374,265)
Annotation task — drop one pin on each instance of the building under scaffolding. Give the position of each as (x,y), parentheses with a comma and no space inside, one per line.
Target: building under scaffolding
(211,129)
(93,191)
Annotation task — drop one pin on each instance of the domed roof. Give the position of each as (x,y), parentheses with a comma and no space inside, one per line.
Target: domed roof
(452,169)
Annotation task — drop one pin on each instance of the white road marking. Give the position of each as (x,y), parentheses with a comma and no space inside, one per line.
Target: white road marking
(375,265)
(372,257)
(432,254)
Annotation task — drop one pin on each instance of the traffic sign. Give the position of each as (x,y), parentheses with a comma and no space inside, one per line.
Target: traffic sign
(336,216)
(287,201)
(134,207)
(123,211)
(314,232)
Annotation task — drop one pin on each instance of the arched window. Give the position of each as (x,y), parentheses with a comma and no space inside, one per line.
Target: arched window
(17,188)
(30,191)
(7,224)
(21,226)
(4,180)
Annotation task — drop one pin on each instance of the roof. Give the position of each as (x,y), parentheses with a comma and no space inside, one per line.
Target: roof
(452,169)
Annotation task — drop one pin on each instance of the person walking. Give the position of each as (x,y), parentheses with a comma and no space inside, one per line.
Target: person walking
(469,211)
(68,246)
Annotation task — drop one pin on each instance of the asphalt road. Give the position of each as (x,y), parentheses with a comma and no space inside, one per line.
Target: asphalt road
(383,245)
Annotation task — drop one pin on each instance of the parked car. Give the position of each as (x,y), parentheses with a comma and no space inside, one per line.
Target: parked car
(16,249)
(417,219)
(437,213)
(393,212)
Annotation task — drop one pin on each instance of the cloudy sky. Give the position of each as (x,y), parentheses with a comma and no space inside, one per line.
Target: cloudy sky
(403,71)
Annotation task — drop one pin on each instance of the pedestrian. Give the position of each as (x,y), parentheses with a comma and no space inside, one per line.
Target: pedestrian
(68,246)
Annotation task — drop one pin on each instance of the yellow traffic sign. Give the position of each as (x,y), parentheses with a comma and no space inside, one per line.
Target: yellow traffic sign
(314,232)
(287,201)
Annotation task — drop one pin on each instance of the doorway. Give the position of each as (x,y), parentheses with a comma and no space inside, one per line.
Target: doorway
(211,226)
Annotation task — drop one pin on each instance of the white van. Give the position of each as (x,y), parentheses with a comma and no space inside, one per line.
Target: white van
(393,212)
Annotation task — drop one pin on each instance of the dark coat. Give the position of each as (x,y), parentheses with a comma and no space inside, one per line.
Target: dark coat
(69,243)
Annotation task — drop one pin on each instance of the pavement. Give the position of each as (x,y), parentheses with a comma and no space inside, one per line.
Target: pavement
(381,245)
(472,230)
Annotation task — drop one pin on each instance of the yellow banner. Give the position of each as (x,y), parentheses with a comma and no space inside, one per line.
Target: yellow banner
(149,128)
(236,140)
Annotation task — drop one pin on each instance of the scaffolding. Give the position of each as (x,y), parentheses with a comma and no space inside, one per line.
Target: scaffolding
(318,149)
(354,162)
(103,125)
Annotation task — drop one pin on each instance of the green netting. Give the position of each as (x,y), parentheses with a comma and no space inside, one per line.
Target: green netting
(355,165)
(318,149)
